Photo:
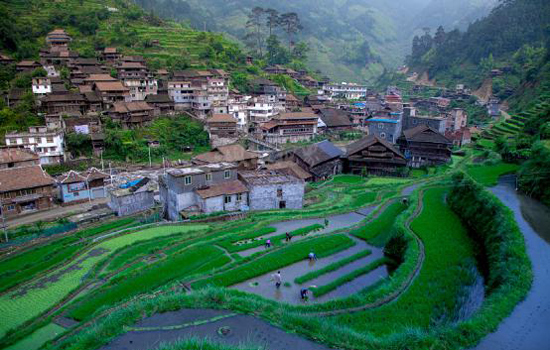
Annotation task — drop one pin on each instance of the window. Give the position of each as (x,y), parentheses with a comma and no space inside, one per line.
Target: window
(227,174)
(209,177)
(227,199)
(76,194)
(239,197)
(382,135)
(49,139)
(187,180)
(10,207)
(280,192)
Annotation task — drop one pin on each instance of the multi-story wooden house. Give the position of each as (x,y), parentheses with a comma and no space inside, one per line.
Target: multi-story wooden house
(424,146)
(290,127)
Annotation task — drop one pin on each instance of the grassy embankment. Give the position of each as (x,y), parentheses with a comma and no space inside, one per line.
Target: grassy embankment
(378,231)
(449,259)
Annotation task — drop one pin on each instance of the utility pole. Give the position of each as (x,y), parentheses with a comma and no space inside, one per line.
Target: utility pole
(150,163)
(102,164)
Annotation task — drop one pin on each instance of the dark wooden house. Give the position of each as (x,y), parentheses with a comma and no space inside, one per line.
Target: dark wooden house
(321,160)
(424,146)
(372,155)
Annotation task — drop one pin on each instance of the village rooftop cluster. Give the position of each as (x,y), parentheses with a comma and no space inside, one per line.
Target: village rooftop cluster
(268,175)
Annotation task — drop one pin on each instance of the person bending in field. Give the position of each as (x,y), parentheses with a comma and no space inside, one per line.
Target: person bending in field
(288,237)
(277,278)
(268,244)
(312,256)
(303,294)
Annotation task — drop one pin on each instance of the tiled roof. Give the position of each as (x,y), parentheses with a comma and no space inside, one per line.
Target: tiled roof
(229,153)
(296,115)
(318,153)
(221,118)
(100,77)
(13,179)
(224,188)
(368,141)
(63,98)
(72,177)
(333,117)
(128,107)
(291,167)
(159,98)
(424,133)
(95,174)
(16,155)
(111,86)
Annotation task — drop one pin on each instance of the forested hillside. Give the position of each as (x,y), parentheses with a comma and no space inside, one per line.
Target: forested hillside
(507,46)
(509,53)
(348,40)
(96,24)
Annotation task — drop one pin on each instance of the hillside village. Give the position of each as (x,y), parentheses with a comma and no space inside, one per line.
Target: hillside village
(264,140)
(222,175)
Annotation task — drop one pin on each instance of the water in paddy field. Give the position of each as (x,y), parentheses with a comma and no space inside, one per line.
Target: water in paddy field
(528,327)
(335,222)
(289,292)
(217,326)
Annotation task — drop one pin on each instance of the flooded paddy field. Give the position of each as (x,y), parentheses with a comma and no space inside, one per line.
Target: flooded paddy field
(216,326)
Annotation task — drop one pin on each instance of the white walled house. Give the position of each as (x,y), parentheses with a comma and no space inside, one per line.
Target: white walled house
(41,86)
(140,88)
(48,144)
(238,108)
(181,93)
(349,91)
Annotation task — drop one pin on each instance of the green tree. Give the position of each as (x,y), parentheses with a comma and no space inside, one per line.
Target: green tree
(290,22)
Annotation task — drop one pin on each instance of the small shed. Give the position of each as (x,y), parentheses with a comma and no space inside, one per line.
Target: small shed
(133,199)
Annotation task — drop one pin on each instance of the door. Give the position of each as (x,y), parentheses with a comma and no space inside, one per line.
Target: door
(282,205)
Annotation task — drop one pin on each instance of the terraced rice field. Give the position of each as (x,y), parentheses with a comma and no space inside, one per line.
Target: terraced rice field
(352,225)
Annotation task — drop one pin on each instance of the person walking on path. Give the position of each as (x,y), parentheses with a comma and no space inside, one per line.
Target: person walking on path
(288,237)
(277,278)
(268,244)
(303,294)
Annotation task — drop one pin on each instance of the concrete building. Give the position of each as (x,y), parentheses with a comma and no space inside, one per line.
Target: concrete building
(48,144)
(270,190)
(348,91)
(75,187)
(133,199)
(41,86)
(222,130)
(388,129)
(181,93)
(179,189)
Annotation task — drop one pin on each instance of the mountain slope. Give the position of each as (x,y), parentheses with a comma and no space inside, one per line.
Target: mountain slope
(95,24)
(349,39)
(509,47)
